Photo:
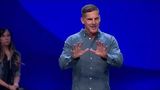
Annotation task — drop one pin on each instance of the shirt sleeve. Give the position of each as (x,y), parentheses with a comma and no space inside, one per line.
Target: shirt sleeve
(114,56)
(66,60)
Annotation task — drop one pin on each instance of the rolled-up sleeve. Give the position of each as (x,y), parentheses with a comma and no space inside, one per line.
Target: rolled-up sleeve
(115,57)
(66,59)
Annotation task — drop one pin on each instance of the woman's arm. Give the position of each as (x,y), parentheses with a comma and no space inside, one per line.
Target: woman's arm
(2,83)
(16,81)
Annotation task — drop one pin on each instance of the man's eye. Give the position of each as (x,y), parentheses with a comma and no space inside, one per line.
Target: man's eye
(96,18)
(89,19)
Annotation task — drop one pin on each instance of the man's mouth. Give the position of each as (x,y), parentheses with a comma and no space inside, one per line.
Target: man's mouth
(94,27)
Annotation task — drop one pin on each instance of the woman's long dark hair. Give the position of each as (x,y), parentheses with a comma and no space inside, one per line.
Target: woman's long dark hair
(11,48)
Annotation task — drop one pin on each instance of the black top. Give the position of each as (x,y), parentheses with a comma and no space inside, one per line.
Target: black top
(9,70)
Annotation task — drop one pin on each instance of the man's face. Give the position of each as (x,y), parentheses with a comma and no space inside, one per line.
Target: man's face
(91,21)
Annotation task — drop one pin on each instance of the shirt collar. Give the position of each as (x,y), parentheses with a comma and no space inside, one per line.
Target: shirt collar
(84,34)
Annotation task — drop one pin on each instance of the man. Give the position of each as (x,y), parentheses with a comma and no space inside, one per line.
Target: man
(90,52)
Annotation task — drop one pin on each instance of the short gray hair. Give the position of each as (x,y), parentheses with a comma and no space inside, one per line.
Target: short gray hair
(88,8)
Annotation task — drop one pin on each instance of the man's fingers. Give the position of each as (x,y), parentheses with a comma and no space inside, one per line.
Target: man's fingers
(86,49)
(79,45)
(98,43)
(93,51)
(103,46)
(75,47)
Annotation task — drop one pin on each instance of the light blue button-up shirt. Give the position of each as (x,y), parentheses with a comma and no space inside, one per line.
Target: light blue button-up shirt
(90,72)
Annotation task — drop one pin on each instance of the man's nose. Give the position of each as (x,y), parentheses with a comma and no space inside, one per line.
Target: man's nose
(93,21)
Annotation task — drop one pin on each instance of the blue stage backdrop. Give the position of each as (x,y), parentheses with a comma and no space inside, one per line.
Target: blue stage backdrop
(40,28)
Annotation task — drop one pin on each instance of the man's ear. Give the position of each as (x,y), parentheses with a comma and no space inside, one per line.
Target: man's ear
(82,21)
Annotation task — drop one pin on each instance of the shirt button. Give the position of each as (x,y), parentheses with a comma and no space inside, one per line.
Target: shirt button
(90,88)
(90,78)
(89,38)
(90,68)
(91,58)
